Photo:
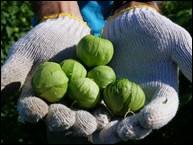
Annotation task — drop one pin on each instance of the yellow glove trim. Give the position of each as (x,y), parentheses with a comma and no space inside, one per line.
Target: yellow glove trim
(54,16)
(130,8)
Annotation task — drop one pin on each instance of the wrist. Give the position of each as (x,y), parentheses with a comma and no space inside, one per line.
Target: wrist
(47,8)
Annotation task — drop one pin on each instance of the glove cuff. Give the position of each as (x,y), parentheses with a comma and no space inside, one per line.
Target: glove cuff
(35,21)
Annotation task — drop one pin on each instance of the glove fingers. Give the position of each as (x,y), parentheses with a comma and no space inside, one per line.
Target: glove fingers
(129,128)
(161,109)
(85,123)
(107,135)
(31,108)
(60,118)
(102,116)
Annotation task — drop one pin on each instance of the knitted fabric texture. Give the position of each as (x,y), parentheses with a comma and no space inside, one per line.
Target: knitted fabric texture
(148,50)
(60,117)
(53,39)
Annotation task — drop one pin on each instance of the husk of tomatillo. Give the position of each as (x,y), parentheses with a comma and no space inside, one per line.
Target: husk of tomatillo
(50,82)
(123,96)
(103,75)
(84,92)
(73,69)
(94,51)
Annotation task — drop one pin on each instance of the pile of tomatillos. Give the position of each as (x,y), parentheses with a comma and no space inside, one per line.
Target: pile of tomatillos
(87,87)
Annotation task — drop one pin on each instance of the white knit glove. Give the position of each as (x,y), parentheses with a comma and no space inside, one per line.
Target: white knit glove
(147,48)
(53,39)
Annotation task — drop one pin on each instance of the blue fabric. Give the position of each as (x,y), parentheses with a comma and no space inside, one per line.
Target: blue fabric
(34,21)
(95,13)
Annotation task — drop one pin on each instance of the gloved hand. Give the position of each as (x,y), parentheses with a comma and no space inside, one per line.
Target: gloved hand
(52,39)
(148,48)
(55,40)
(95,13)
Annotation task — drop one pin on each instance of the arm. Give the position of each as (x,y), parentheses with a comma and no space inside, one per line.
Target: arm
(45,8)
(182,51)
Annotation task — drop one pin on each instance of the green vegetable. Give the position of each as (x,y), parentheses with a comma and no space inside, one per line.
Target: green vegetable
(73,69)
(50,82)
(102,75)
(85,92)
(123,96)
(93,50)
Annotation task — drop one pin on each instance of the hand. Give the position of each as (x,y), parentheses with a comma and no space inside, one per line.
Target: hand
(161,109)
(53,39)
(144,56)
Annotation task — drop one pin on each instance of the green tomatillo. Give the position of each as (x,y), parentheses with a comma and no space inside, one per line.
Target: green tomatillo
(50,82)
(93,50)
